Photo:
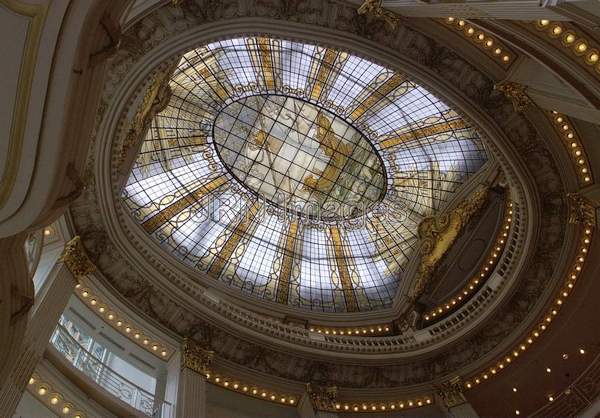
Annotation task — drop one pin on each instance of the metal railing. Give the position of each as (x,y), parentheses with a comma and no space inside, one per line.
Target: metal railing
(107,378)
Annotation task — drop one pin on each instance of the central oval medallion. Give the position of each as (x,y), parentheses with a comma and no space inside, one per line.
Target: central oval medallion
(299,156)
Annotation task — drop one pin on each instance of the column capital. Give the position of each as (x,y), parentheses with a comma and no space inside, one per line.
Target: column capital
(76,259)
(516,93)
(451,393)
(322,398)
(581,210)
(195,357)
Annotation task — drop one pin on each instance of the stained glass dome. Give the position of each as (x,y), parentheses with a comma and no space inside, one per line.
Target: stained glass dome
(297,173)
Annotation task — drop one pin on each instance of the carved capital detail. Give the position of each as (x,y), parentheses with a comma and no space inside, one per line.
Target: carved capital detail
(451,393)
(322,398)
(375,9)
(581,210)
(516,93)
(76,259)
(195,357)
(438,233)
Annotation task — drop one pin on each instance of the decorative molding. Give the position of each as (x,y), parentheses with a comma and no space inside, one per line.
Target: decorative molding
(438,233)
(516,93)
(156,98)
(76,259)
(195,357)
(37,14)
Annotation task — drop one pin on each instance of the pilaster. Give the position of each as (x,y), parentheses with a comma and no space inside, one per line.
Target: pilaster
(191,389)
(452,397)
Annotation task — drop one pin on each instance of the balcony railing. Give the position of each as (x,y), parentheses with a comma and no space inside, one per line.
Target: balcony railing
(107,378)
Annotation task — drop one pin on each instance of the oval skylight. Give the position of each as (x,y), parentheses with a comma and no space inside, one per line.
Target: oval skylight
(254,123)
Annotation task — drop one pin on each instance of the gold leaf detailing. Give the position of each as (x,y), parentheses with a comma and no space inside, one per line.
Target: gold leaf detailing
(76,259)
(195,357)
(516,93)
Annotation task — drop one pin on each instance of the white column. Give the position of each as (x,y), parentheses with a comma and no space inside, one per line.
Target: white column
(47,309)
(193,365)
(191,394)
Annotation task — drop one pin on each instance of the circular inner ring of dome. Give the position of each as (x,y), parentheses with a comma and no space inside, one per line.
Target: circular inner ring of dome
(299,156)
(183,194)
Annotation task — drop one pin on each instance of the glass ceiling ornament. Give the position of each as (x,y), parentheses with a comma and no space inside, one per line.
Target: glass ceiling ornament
(297,173)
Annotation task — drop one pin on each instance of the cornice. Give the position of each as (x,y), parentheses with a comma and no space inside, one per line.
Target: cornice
(535,186)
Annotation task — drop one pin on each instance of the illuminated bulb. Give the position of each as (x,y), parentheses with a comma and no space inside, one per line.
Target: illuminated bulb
(593,57)
(127,330)
(163,353)
(137,336)
(235,386)
(226,384)
(119,323)
(481,36)
(154,347)
(282,400)
(85,294)
(581,351)
(292,401)
(101,309)
(31,381)
(93,302)
(544,22)
(217,379)
(582,47)
(54,400)
(245,388)
(111,316)
(66,410)
(146,342)
(506,58)
(548,370)
(498,51)
(517,412)
(47,231)
(254,391)
(557,30)
(550,398)
(570,38)
(514,389)
(264,394)
(42,391)
(489,43)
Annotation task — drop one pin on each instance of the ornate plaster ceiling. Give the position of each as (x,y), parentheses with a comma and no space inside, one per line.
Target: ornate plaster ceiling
(248,341)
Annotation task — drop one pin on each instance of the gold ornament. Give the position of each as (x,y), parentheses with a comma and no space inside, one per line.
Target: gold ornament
(438,233)
(76,259)
(195,357)
(516,93)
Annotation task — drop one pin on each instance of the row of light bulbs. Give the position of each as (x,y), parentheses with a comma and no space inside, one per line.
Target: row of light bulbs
(56,401)
(573,143)
(120,324)
(251,390)
(378,407)
(486,270)
(374,329)
(569,39)
(566,290)
(490,45)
